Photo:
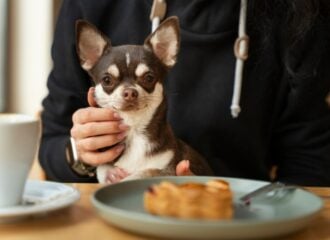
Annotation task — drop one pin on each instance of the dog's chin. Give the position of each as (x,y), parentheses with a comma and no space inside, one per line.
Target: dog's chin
(128,107)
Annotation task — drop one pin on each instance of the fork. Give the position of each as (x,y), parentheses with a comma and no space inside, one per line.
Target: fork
(273,191)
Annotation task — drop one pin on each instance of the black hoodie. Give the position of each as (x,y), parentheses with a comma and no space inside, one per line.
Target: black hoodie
(285,120)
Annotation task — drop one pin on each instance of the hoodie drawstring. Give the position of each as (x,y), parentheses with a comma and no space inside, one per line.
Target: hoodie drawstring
(157,13)
(241,48)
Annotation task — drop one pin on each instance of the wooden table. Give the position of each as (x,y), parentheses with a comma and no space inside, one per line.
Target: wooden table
(80,221)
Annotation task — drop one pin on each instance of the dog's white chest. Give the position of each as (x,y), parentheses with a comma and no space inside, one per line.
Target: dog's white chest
(137,157)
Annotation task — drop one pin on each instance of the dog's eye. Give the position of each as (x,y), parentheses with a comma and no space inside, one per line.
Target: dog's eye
(149,78)
(106,81)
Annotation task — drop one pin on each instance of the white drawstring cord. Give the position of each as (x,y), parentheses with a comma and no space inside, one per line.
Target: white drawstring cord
(155,23)
(157,13)
(241,53)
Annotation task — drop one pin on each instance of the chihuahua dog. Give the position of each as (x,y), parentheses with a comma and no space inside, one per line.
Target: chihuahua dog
(129,79)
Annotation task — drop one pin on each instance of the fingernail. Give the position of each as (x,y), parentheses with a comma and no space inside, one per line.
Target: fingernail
(116,116)
(120,148)
(187,163)
(121,135)
(123,126)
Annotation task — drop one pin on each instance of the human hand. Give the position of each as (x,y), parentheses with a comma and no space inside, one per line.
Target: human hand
(183,168)
(97,128)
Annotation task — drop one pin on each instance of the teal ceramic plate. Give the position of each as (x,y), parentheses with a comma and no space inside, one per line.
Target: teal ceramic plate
(122,205)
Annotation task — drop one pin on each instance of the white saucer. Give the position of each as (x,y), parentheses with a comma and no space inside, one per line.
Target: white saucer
(39,198)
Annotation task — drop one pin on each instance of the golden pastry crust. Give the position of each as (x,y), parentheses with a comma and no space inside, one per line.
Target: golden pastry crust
(212,200)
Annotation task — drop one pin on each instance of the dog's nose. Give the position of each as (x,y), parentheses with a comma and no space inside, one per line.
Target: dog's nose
(130,94)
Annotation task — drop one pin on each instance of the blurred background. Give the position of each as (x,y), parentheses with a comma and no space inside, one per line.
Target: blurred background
(26,31)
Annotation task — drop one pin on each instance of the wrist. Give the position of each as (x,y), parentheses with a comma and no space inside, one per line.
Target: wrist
(77,166)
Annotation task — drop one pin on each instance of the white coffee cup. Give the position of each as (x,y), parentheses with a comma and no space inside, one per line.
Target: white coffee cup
(19,137)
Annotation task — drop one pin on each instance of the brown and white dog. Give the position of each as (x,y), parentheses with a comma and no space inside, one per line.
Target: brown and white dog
(129,79)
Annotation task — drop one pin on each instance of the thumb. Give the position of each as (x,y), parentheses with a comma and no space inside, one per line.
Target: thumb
(183,168)
(90,97)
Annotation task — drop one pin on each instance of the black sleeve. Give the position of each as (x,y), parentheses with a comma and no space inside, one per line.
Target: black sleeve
(68,85)
(302,139)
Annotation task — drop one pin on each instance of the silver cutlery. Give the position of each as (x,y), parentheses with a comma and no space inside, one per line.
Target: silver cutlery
(274,192)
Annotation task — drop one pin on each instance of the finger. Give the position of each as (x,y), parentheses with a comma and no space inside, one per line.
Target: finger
(91,114)
(97,158)
(90,97)
(183,168)
(95,143)
(97,128)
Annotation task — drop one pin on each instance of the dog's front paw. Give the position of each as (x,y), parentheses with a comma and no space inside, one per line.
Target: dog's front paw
(144,174)
(110,174)
(115,174)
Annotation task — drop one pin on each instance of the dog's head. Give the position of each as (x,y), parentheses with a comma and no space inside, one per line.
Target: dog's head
(128,77)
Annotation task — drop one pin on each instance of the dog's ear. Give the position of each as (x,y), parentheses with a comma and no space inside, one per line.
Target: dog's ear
(164,41)
(91,44)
